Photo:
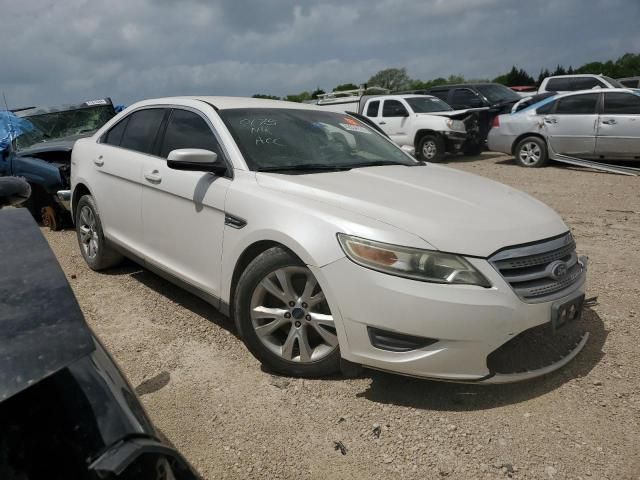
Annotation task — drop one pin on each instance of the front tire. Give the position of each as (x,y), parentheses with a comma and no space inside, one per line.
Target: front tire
(93,246)
(431,148)
(531,152)
(283,317)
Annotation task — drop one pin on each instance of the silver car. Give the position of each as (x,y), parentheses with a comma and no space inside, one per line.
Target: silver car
(589,124)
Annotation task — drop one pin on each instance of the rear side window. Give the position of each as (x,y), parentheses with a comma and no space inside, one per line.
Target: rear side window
(559,85)
(188,130)
(630,83)
(142,130)
(621,104)
(441,94)
(465,97)
(578,104)
(586,83)
(114,136)
(372,108)
(393,108)
(544,109)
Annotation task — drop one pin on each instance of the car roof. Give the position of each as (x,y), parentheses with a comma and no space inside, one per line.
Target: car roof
(461,85)
(227,103)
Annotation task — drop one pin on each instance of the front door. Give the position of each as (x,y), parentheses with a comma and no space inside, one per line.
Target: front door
(182,211)
(619,126)
(571,128)
(394,121)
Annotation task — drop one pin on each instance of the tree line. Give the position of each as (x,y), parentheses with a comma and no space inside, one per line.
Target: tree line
(397,79)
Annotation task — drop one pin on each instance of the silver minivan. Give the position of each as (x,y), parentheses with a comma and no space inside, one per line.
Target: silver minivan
(602,124)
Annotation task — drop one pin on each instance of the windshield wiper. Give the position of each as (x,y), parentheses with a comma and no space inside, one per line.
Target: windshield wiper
(379,163)
(305,168)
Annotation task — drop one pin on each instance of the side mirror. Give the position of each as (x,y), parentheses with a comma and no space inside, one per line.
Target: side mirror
(475,102)
(195,159)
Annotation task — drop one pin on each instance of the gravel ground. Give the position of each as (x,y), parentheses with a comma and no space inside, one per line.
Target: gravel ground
(231,419)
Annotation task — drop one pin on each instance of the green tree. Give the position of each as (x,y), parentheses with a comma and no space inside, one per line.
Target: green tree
(345,86)
(316,92)
(299,98)
(391,78)
(516,76)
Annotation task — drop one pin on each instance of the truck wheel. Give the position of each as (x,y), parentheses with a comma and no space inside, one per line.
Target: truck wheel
(431,148)
(531,152)
(93,246)
(283,317)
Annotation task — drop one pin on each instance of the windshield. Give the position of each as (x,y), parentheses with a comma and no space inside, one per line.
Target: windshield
(52,125)
(290,139)
(427,104)
(496,93)
(614,83)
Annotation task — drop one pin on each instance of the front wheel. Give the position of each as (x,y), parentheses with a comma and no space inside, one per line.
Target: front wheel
(531,152)
(95,250)
(283,317)
(431,148)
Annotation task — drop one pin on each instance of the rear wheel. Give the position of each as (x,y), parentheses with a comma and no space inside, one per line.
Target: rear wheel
(95,250)
(431,148)
(531,152)
(283,316)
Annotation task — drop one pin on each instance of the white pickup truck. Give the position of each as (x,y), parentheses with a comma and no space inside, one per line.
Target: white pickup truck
(422,124)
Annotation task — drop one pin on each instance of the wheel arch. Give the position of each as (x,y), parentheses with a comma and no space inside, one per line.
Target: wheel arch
(422,132)
(250,253)
(79,190)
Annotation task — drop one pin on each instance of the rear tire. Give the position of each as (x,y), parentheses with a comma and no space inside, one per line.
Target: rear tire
(431,148)
(94,248)
(283,317)
(531,152)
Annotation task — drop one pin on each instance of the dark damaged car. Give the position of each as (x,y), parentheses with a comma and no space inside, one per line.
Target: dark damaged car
(40,152)
(66,410)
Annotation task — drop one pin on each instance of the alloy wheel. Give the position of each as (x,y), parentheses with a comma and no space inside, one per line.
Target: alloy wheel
(530,153)
(88,232)
(291,317)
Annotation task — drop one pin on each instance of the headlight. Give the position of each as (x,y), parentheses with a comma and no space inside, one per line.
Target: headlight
(423,265)
(456,125)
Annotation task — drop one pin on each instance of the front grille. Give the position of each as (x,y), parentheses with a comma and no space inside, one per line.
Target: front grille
(541,271)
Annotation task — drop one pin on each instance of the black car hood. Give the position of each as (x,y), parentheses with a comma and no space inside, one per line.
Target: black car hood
(42,329)
(64,144)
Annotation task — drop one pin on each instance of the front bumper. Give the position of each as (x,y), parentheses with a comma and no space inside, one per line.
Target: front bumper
(469,322)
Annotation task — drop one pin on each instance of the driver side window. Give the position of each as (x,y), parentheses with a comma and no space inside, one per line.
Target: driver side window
(393,108)
(188,130)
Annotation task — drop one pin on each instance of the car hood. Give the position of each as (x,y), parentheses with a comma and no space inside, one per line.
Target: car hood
(455,114)
(451,210)
(62,144)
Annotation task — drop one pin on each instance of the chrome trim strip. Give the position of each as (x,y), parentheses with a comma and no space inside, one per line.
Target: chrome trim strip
(542,247)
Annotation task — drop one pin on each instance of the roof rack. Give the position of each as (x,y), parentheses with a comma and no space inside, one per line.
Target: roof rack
(327,97)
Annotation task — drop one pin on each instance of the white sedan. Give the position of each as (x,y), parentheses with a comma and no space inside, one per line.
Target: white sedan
(326,243)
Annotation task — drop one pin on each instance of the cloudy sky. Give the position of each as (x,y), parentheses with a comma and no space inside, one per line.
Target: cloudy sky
(60,51)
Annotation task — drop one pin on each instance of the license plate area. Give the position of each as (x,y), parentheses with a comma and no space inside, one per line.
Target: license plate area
(566,311)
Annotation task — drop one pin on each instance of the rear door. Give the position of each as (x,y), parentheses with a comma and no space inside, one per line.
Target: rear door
(571,128)
(182,211)
(118,163)
(619,126)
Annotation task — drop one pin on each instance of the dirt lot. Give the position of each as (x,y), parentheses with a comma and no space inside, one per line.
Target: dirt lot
(231,419)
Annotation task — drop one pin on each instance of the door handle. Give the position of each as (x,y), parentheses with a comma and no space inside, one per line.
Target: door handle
(153,177)
(550,120)
(98,161)
(611,121)
(382,123)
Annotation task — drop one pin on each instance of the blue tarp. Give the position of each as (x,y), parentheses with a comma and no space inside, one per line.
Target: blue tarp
(10,127)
